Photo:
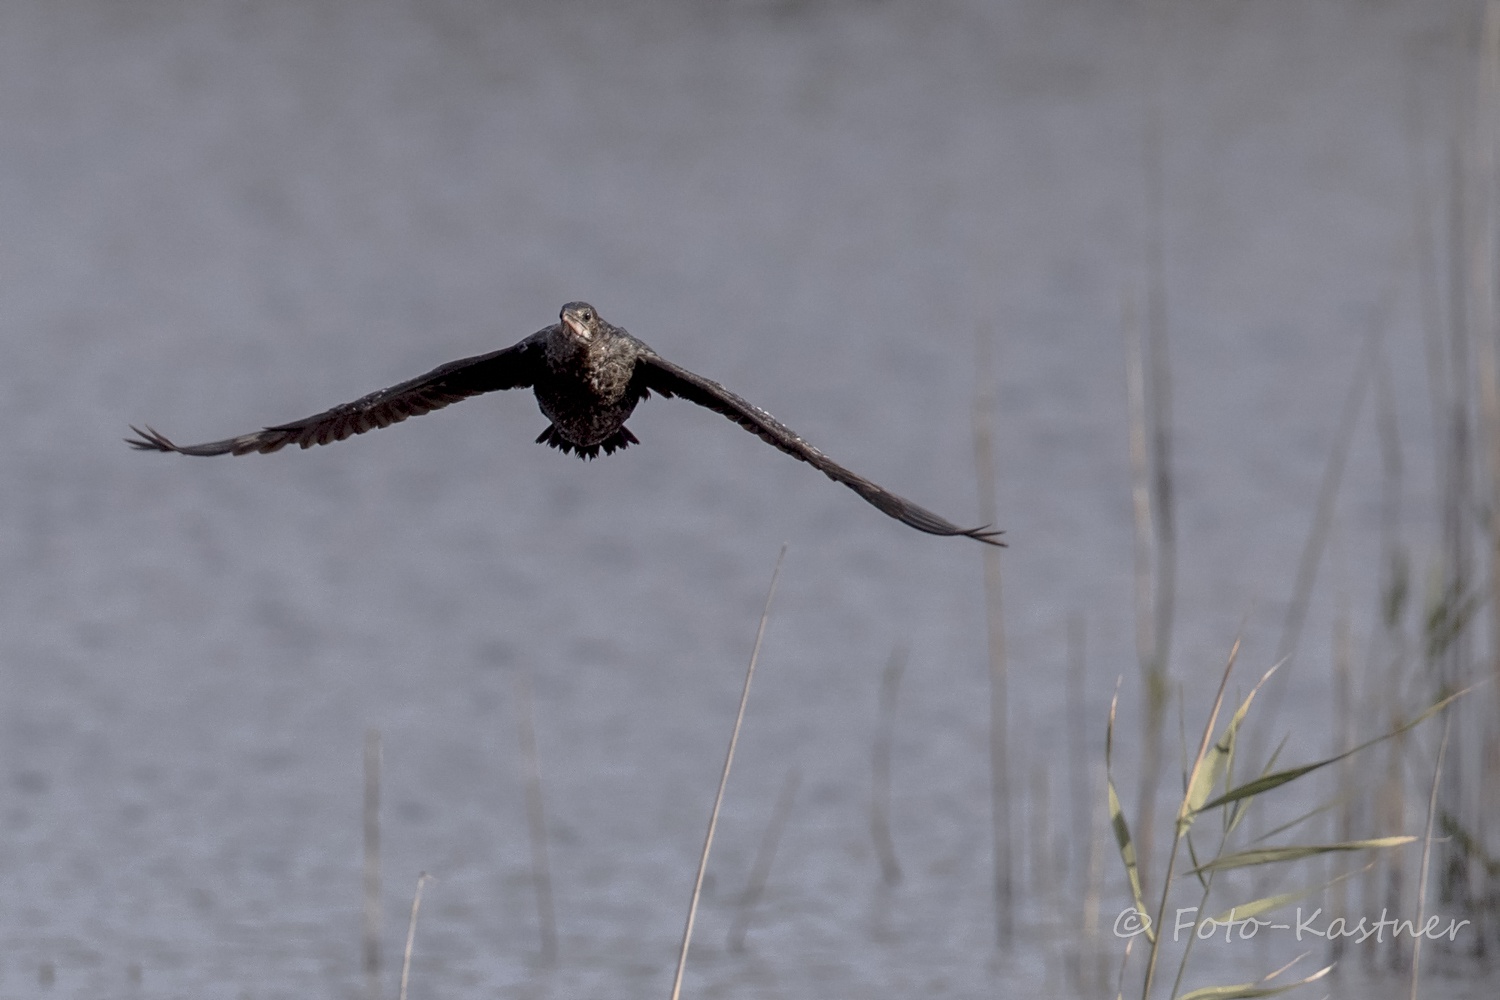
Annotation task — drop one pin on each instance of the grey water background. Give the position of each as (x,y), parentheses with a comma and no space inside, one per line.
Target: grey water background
(219,215)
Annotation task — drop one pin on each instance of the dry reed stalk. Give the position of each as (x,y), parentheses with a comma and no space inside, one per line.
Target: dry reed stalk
(1193,771)
(372,911)
(713,816)
(536,818)
(1328,489)
(1488,325)
(1432,805)
(1458,497)
(1453,663)
(1092,895)
(1424,260)
(1042,856)
(1323,510)
(1395,596)
(765,856)
(411,932)
(1000,820)
(1343,657)
(1483,262)
(1143,535)
(1392,473)
(1085,854)
(1392,815)
(880,768)
(1152,554)
(1390,808)
(1080,794)
(1156,403)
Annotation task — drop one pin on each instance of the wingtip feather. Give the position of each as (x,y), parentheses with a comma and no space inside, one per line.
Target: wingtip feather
(987,535)
(149,440)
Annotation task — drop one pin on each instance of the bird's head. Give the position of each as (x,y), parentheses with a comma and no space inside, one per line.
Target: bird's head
(582,319)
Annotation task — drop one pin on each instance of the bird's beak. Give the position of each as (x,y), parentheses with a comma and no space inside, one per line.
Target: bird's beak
(577,327)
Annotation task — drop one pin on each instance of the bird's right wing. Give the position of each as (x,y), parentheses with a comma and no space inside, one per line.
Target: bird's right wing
(662,376)
(512,368)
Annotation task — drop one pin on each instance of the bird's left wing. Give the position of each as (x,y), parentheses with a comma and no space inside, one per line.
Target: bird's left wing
(661,376)
(514,367)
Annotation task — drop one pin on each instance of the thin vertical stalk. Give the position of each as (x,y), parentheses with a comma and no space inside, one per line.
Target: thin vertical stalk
(880,768)
(1080,794)
(1323,510)
(1432,808)
(1424,246)
(1152,458)
(536,818)
(1150,556)
(1000,819)
(1343,740)
(1453,664)
(1180,832)
(1144,534)
(1395,597)
(1393,816)
(1094,877)
(1041,857)
(1317,534)
(765,856)
(1160,387)
(1395,588)
(1487,334)
(372,914)
(1425,263)
(411,932)
(1483,262)
(713,816)
(1458,455)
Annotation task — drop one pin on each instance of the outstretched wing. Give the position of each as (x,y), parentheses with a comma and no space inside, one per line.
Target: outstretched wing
(512,368)
(660,375)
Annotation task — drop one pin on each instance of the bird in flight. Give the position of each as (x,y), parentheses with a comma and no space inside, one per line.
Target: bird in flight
(588,376)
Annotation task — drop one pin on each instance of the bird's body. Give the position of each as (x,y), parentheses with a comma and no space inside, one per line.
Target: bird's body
(587,386)
(587,376)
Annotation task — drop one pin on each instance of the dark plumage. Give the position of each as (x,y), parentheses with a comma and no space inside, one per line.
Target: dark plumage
(588,377)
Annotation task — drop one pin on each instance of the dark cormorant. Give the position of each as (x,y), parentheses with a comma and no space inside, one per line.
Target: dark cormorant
(588,376)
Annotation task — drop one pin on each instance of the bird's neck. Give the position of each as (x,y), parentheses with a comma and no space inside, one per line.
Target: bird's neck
(567,353)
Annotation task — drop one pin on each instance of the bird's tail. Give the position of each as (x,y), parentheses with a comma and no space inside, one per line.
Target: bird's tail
(616,441)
